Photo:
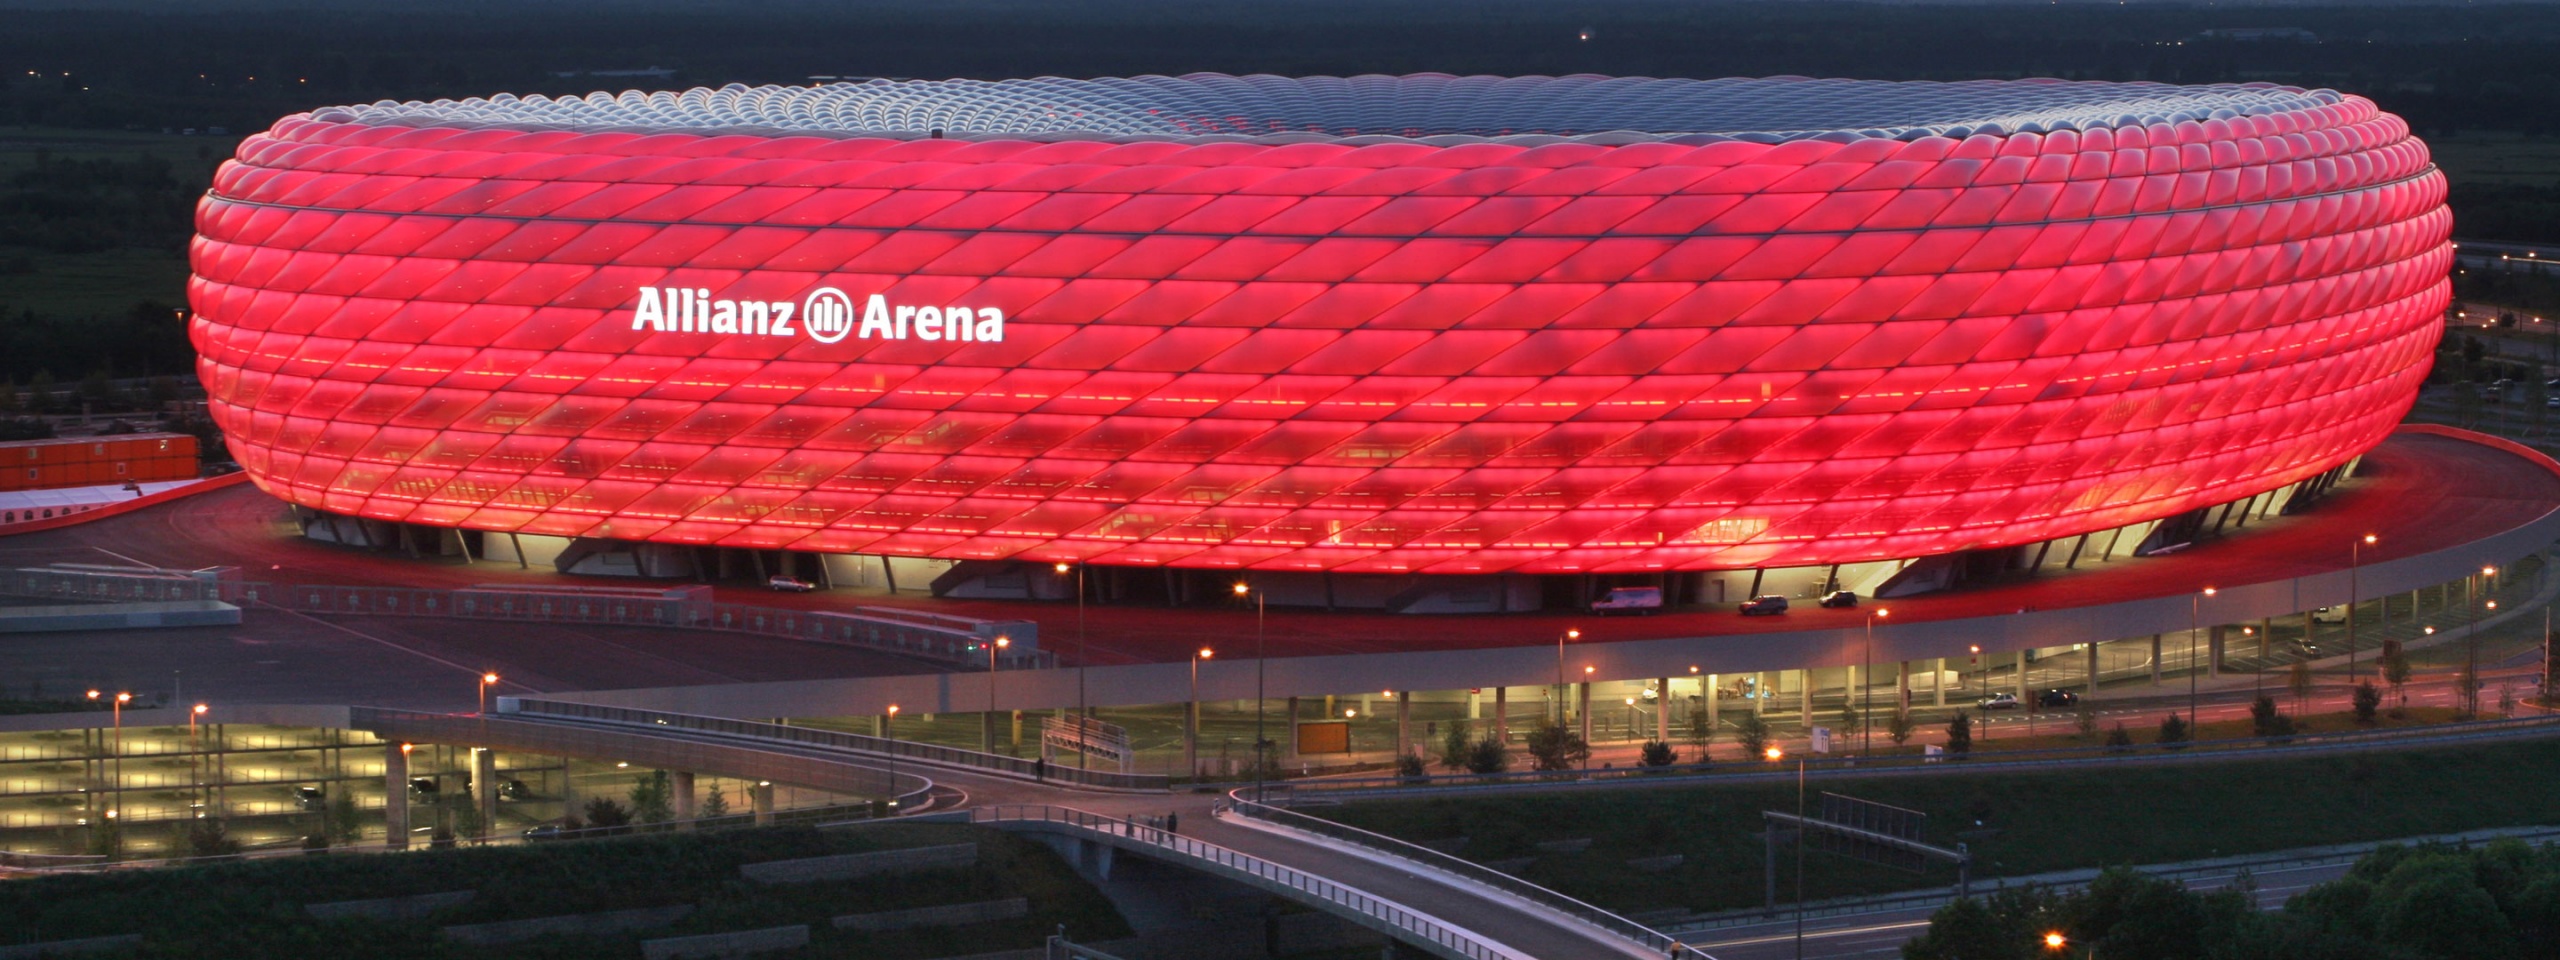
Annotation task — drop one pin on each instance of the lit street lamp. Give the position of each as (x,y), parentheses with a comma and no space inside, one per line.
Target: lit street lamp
(889,728)
(1191,717)
(987,740)
(487,680)
(2355,557)
(115,749)
(1983,707)
(1560,689)
(1867,688)
(195,754)
(1261,743)
(2195,614)
(1083,712)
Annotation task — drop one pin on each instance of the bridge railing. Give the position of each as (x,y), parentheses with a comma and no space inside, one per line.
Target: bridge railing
(1661,944)
(1384,916)
(752,730)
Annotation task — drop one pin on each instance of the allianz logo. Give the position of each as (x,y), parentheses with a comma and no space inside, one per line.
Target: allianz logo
(827,314)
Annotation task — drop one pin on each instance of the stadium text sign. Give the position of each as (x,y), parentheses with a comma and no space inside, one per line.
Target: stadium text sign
(826,314)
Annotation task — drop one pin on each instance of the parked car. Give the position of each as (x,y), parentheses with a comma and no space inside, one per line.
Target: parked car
(1645,601)
(1998,701)
(1840,598)
(2057,697)
(424,788)
(1770,605)
(548,831)
(310,797)
(787,584)
(514,789)
(2329,615)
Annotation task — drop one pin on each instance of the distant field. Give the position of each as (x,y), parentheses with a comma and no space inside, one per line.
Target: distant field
(2504,158)
(110,282)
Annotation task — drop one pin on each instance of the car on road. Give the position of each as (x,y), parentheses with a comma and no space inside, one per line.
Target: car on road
(1769,605)
(1998,701)
(1644,601)
(514,789)
(2057,697)
(789,584)
(548,831)
(310,797)
(1840,598)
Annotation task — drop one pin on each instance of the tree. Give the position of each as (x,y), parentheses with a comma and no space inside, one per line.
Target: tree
(106,838)
(2299,680)
(344,824)
(1658,754)
(715,804)
(1960,734)
(1850,721)
(607,816)
(1702,729)
(2085,718)
(2395,671)
(2119,739)
(1753,735)
(2174,732)
(2266,720)
(1410,765)
(1555,746)
(2367,700)
(1488,756)
(1456,747)
(206,838)
(1900,727)
(2467,682)
(466,819)
(651,797)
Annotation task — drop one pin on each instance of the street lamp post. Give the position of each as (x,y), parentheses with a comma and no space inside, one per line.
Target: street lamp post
(487,680)
(1560,688)
(195,754)
(889,728)
(1867,690)
(2471,649)
(115,750)
(2355,558)
(1982,707)
(1586,717)
(988,740)
(1191,718)
(1082,710)
(1261,743)
(2195,615)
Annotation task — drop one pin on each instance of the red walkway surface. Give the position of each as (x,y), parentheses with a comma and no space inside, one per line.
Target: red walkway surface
(2418,493)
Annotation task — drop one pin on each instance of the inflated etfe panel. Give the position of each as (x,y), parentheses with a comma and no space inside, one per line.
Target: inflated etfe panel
(1385,324)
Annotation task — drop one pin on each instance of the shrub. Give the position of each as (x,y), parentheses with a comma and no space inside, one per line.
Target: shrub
(2367,700)
(1488,756)
(1555,746)
(1960,734)
(2173,732)
(1456,748)
(607,816)
(1753,734)
(2119,739)
(1900,727)
(1658,754)
(2086,719)
(1411,765)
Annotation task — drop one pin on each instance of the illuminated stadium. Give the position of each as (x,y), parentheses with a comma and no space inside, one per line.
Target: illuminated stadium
(1381,325)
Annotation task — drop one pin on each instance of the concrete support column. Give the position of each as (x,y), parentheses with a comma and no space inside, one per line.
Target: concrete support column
(761,797)
(1938,684)
(1404,724)
(2022,676)
(2309,627)
(1583,701)
(1289,721)
(1502,714)
(568,790)
(1759,694)
(484,787)
(1662,709)
(395,795)
(2213,647)
(680,785)
(1191,738)
(1710,699)
(2155,659)
(1901,688)
(1475,704)
(1804,698)
(2267,632)
(2093,667)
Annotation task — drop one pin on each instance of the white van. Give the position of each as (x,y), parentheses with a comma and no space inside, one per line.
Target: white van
(1638,600)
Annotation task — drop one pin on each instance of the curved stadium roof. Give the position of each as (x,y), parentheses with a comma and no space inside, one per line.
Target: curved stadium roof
(1435,108)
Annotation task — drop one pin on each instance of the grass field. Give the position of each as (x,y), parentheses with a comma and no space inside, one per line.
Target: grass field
(111,282)
(2498,158)
(2014,823)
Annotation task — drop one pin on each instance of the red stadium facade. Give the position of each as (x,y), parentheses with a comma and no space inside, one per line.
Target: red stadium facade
(1349,352)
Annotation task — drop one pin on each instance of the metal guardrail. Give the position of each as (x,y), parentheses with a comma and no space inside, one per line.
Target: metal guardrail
(1347,788)
(944,639)
(999,764)
(1661,944)
(1384,916)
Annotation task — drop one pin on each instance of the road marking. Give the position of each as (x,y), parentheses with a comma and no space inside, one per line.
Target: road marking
(408,650)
